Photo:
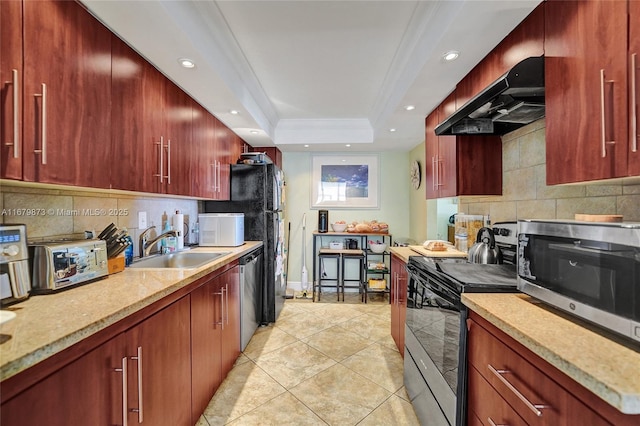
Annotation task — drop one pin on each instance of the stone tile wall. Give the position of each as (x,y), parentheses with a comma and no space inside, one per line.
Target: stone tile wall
(54,212)
(526,194)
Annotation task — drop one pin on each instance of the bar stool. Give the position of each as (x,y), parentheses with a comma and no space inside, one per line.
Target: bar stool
(361,272)
(322,256)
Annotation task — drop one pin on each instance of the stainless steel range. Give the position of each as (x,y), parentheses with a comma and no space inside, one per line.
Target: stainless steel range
(436,334)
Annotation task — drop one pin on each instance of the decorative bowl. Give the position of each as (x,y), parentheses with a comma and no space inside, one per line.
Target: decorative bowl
(378,248)
(338,227)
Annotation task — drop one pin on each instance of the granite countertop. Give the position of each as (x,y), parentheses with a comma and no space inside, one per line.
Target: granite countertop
(606,367)
(403,252)
(48,324)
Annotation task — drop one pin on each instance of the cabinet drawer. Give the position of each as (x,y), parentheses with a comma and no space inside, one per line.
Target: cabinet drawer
(486,403)
(537,398)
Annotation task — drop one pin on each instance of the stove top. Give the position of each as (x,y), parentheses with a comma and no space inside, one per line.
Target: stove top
(479,278)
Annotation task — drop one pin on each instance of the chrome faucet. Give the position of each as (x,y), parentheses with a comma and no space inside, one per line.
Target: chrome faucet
(148,246)
(142,240)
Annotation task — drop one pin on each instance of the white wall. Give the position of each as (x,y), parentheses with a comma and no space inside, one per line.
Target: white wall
(394,204)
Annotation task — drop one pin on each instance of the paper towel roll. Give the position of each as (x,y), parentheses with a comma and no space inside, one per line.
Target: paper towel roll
(178,226)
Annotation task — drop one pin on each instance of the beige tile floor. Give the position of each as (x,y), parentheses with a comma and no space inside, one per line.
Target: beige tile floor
(329,363)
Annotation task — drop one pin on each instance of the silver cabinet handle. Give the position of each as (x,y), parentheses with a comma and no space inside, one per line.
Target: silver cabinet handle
(43,149)
(169,161)
(16,114)
(161,159)
(440,170)
(214,176)
(218,177)
(140,395)
(434,173)
(533,407)
(603,142)
(226,311)
(634,112)
(221,323)
(492,423)
(125,395)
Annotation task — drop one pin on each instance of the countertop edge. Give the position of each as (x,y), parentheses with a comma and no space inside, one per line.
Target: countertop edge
(25,360)
(627,403)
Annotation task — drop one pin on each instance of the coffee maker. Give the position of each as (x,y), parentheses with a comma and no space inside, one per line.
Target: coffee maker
(15,282)
(323,221)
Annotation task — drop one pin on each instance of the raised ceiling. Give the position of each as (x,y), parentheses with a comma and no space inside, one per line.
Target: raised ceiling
(320,73)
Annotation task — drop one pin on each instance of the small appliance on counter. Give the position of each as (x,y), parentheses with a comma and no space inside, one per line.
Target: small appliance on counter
(588,269)
(221,229)
(57,265)
(15,283)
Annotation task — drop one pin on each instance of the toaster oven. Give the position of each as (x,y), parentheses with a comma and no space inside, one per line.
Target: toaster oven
(591,270)
(59,265)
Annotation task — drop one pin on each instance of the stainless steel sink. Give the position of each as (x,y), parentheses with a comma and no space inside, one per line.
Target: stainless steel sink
(182,260)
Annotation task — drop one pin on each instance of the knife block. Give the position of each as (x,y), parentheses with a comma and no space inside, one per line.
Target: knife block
(115,264)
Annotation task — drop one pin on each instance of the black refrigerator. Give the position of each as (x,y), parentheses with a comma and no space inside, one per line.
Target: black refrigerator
(257,191)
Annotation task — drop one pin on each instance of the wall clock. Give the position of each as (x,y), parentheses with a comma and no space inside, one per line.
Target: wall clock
(416,176)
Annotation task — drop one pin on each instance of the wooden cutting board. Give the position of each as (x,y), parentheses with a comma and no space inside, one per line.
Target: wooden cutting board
(450,252)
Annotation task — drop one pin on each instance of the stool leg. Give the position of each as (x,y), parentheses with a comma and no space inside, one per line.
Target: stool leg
(339,277)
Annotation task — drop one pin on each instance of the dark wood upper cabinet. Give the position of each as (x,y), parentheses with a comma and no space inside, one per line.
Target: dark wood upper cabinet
(461,164)
(525,41)
(11,101)
(634,83)
(66,95)
(180,149)
(586,74)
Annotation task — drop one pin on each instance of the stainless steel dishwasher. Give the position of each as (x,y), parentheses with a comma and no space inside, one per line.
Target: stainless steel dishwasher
(250,295)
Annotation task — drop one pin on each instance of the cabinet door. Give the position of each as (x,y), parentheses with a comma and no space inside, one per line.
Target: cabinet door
(67,95)
(223,148)
(431,156)
(526,40)
(137,121)
(179,139)
(398,301)
(204,133)
(229,284)
(205,345)
(447,155)
(11,90)
(586,90)
(634,83)
(161,347)
(86,392)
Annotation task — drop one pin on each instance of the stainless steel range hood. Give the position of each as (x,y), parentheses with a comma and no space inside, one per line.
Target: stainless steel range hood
(515,99)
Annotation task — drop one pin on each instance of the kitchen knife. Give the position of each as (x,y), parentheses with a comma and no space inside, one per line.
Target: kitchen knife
(106,230)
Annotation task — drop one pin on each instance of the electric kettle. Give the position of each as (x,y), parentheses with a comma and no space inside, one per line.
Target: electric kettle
(485,249)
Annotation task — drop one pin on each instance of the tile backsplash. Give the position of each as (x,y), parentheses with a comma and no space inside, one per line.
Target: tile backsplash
(55,212)
(525,193)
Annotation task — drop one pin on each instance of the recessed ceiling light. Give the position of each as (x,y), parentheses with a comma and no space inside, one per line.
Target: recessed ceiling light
(186,63)
(392,130)
(254,132)
(234,112)
(306,145)
(451,55)
(348,145)
(410,107)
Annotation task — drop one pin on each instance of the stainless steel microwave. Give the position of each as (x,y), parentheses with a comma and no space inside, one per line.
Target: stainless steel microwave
(588,269)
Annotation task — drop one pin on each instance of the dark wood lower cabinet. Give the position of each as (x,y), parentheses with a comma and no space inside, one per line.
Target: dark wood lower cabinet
(160,347)
(86,392)
(398,301)
(174,361)
(504,375)
(215,335)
